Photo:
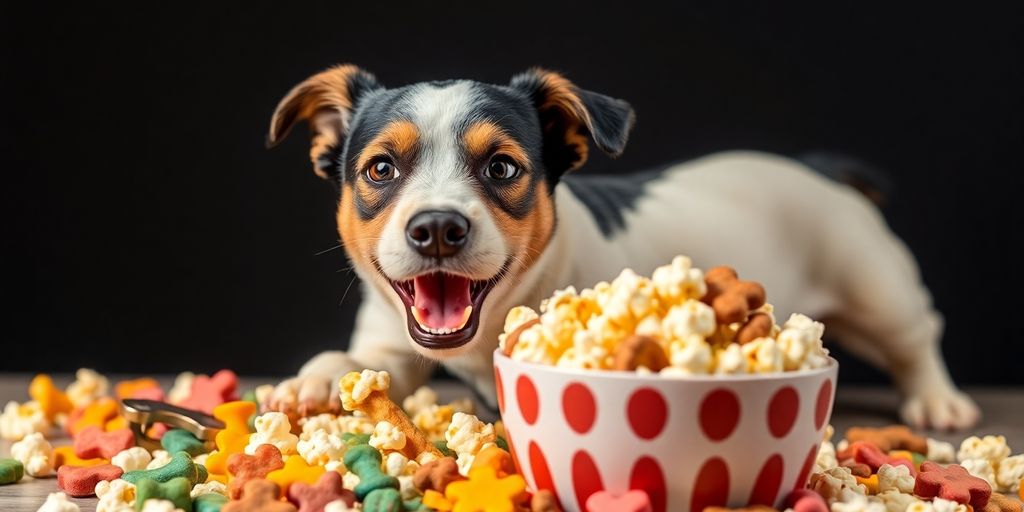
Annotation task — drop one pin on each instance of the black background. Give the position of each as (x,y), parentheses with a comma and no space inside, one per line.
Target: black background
(147,229)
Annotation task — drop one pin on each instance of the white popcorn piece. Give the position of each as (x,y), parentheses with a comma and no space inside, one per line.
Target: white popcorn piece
(941,451)
(516,317)
(831,483)
(585,354)
(154,505)
(160,459)
(406,488)
(115,496)
(679,281)
(273,428)
(88,387)
(532,347)
(1009,473)
(349,480)
(943,505)
(858,503)
(211,487)
(896,501)
(132,459)
(201,458)
(337,506)
(763,356)
(801,345)
(990,448)
(263,392)
(396,464)
(322,448)
(982,469)
(423,398)
(35,453)
(730,360)
(425,458)
(20,420)
(387,437)
(690,318)
(58,502)
(895,478)
(826,457)
(354,391)
(466,436)
(182,387)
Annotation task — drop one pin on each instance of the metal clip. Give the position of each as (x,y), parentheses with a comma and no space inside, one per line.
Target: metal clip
(142,414)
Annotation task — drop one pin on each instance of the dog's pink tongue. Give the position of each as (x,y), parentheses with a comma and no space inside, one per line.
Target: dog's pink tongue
(441,300)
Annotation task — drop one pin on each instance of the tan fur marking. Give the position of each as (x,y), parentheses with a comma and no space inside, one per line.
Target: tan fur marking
(484,136)
(399,138)
(560,93)
(529,234)
(358,236)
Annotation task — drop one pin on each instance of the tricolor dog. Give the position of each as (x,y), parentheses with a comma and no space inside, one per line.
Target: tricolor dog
(459,200)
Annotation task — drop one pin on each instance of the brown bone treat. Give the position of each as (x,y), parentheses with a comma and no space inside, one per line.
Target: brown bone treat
(544,501)
(731,298)
(1002,503)
(638,351)
(759,325)
(513,337)
(893,437)
(436,475)
(856,468)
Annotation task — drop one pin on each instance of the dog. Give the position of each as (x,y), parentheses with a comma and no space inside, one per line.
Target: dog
(458,202)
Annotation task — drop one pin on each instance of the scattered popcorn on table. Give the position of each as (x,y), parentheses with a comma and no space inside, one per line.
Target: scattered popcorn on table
(155,505)
(20,420)
(466,436)
(831,483)
(35,453)
(160,459)
(895,478)
(211,487)
(132,459)
(676,309)
(1009,473)
(990,448)
(321,448)
(940,451)
(387,437)
(859,503)
(115,496)
(273,428)
(896,501)
(58,502)
(87,387)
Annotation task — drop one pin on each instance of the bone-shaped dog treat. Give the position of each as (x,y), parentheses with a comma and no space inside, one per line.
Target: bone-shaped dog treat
(637,351)
(731,298)
(175,490)
(367,391)
(893,437)
(952,483)
(93,442)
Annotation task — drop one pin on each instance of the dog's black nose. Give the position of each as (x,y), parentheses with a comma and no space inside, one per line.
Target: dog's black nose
(437,233)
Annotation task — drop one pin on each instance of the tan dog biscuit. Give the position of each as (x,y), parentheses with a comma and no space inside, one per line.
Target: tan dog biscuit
(513,337)
(731,298)
(638,351)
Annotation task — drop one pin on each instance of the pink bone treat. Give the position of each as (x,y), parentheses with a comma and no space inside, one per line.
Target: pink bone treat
(80,482)
(630,501)
(952,483)
(313,498)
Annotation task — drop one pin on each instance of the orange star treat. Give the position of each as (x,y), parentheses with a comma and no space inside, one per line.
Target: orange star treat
(65,455)
(436,501)
(95,414)
(485,491)
(496,458)
(243,468)
(51,400)
(234,437)
(295,470)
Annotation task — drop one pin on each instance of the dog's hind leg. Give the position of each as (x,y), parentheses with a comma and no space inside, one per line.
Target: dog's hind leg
(886,316)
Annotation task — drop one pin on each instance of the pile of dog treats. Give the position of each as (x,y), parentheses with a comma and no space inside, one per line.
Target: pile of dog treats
(417,456)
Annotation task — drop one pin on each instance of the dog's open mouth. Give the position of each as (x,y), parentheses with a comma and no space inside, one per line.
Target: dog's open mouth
(443,310)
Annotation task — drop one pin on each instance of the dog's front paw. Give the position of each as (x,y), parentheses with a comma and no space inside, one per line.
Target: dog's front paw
(305,395)
(940,410)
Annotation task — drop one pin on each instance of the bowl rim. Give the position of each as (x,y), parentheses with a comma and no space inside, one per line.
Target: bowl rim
(833,365)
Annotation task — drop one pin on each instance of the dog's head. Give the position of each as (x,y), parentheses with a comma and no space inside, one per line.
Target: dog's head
(446,187)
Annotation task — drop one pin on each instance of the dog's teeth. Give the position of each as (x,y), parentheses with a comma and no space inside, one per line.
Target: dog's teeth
(465,317)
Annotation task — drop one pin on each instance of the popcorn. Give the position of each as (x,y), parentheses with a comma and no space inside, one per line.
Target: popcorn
(937,505)
(58,502)
(826,457)
(132,459)
(585,354)
(201,458)
(940,451)
(424,397)
(263,393)
(801,345)
(160,459)
(182,388)
(1010,473)
(20,420)
(990,448)
(396,464)
(895,478)
(763,356)
(832,482)
(859,504)
(321,448)
(154,505)
(115,496)
(896,501)
(678,281)
(273,428)
(349,480)
(337,506)
(88,387)
(354,391)
(687,320)
(533,347)
(690,355)
(515,318)
(466,436)
(982,469)
(434,420)
(731,361)
(387,437)
(210,487)
(356,423)
(35,453)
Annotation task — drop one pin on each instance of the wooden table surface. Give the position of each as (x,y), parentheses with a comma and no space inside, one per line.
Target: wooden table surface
(867,406)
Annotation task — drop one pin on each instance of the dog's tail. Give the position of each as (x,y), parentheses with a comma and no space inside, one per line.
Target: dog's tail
(868,179)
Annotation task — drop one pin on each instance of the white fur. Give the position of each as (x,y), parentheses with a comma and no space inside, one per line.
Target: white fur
(819,248)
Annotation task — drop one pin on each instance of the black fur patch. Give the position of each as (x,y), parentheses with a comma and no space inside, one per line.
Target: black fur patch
(609,196)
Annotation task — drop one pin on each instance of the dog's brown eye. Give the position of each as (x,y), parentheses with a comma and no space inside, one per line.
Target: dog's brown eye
(501,170)
(381,172)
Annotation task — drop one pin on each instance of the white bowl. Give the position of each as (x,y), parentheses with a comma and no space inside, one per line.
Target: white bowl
(689,442)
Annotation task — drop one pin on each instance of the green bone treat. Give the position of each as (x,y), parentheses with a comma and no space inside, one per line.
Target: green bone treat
(181,465)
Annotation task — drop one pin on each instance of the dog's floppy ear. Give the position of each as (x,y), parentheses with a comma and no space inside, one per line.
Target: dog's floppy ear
(327,100)
(568,114)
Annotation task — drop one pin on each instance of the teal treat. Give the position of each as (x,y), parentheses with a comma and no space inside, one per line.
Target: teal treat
(364,460)
(175,490)
(442,446)
(181,465)
(415,505)
(353,439)
(918,458)
(180,440)
(11,471)
(209,502)
(383,500)
(500,441)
